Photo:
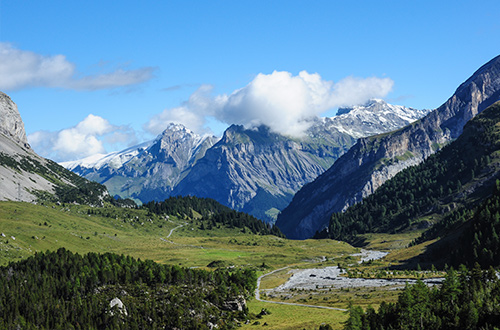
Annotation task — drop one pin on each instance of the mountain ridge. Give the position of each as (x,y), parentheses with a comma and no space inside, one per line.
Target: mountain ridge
(373,160)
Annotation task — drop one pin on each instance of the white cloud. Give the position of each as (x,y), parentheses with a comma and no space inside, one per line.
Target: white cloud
(284,102)
(23,69)
(192,113)
(87,138)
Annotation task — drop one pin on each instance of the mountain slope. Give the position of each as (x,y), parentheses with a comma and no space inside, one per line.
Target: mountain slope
(258,171)
(25,176)
(374,117)
(461,175)
(374,160)
(150,170)
(253,170)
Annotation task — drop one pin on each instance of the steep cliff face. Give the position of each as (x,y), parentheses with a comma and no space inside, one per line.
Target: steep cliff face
(24,175)
(258,171)
(148,171)
(11,123)
(374,160)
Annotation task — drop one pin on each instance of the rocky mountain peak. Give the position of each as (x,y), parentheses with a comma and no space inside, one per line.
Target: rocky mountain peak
(11,123)
(374,117)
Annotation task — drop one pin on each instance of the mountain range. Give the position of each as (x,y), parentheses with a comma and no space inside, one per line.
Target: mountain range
(376,159)
(254,170)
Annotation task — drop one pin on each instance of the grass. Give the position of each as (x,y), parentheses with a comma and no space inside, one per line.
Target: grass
(340,298)
(285,317)
(142,235)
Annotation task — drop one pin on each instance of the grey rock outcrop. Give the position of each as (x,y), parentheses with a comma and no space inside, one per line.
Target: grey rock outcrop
(374,160)
(238,304)
(11,123)
(23,173)
(118,305)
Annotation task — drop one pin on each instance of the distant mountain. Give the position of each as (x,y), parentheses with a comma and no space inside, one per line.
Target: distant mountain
(150,170)
(252,170)
(258,171)
(374,117)
(25,176)
(374,160)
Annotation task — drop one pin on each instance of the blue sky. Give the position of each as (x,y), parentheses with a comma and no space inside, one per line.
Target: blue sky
(98,76)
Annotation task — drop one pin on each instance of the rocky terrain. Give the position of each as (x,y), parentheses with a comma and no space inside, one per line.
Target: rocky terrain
(11,123)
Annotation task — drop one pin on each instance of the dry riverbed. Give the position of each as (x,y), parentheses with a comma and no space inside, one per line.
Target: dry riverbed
(330,286)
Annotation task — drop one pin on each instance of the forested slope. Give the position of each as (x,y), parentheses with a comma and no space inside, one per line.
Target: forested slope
(62,290)
(466,300)
(212,214)
(461,175)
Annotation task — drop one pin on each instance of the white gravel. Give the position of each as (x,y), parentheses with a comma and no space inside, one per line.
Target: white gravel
(329,277)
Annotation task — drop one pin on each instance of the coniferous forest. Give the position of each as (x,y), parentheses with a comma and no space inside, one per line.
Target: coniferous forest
(466,300)
(63,290)
(213,212)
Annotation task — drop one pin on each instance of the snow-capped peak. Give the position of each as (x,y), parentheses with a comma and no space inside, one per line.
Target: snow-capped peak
(374,117)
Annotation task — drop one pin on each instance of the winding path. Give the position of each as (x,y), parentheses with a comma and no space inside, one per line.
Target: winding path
(257,295)
(172,230)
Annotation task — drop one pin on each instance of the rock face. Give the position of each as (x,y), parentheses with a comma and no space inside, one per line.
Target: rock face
(258,171)
(23,173)
(148,171)
(11,123)
(375,159)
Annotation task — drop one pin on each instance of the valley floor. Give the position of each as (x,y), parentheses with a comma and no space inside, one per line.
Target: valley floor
(293,273)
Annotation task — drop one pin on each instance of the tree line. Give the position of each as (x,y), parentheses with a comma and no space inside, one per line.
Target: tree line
(213,212)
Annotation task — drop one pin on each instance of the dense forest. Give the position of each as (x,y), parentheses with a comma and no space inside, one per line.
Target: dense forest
(466,300)
(435,186)
(468,236)
(213,213)
(62,290)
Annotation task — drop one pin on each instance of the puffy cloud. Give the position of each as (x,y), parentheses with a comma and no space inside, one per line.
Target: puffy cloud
(22,69)
(85,139)
(191,113)
(284,102)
